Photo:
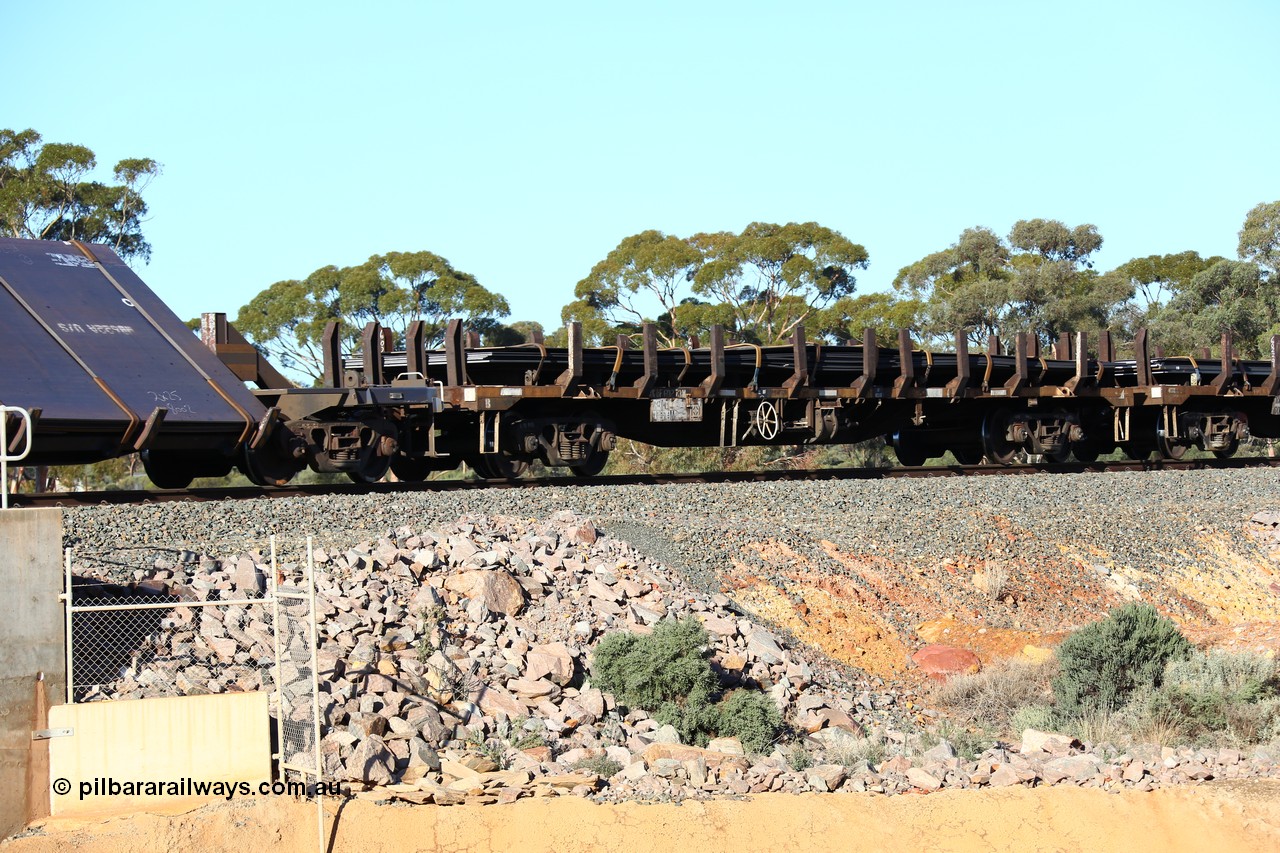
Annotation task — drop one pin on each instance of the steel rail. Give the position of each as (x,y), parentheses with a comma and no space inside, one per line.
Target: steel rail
(74,499)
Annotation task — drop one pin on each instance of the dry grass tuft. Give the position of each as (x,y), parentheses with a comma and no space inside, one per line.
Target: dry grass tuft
(988,699)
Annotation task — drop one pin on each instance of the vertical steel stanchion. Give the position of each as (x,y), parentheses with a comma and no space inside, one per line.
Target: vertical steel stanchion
(275,630)
(66,596)
(315,690)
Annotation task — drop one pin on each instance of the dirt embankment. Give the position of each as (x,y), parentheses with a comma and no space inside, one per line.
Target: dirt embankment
(1242,816)
(873,610)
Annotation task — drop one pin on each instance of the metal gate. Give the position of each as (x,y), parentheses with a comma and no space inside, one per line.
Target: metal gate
(126,645)
(122,645)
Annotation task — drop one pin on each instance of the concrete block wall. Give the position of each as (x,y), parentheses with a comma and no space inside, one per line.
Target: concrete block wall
(31,643)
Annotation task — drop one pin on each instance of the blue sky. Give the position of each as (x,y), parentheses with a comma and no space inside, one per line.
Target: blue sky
(522,141)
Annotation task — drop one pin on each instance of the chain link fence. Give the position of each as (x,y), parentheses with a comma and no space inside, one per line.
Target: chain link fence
(205,628)
(181,625)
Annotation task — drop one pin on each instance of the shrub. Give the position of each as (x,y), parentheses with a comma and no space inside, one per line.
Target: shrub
(799,758)
(871,749)
(1219,692)
(693,716)
(1239,677)
(666,674)
(663,668)
(601,765)
(750,717)
(1034,716)
(1102,663)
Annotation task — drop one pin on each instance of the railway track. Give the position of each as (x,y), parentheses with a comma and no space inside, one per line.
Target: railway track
(72,499)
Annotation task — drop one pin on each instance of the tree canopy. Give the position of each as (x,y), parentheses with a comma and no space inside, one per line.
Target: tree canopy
(1260,238)
(287,319)
(1039,279)
(47,193)
(759,283)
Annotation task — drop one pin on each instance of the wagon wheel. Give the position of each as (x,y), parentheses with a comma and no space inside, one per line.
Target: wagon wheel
(1138,449)
(909,449)
(967,455)
(1168,449)
(372,469)
(995,446)
(266,466)
(768,420)
(594,465)
(1085,451)
(168,470)
(498,466)
(1230,450)
(413,470)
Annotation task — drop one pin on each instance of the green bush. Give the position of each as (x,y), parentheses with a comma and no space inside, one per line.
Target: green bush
(750,717)
(1238,677)
(694,716)
(1102,663)
(1034,716)
(649,672)
(601,765)
(1220,692)
(667,674)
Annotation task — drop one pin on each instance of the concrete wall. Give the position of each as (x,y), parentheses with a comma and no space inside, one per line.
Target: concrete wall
(31,642)
(223,738)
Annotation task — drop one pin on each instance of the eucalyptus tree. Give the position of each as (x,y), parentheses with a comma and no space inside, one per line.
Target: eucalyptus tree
(47,192)
(1039,279)
(287,319)
(759,284)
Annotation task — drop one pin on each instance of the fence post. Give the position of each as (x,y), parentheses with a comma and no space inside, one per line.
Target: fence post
(275,631)
(66,597)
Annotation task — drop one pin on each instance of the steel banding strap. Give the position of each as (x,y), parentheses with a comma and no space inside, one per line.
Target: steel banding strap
(755,377)
(249,422)
(688,360)
(542,357)
(135,422)
(617,365)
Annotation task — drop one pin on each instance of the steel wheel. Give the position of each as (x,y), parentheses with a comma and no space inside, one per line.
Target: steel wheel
(909,450)
(1230,450)
(1137,451)
(1169,450)
(998,449)
(168,470)
(1085,451)
(410,470)
(594,465)
(371,470)
(499,466)
(266,467)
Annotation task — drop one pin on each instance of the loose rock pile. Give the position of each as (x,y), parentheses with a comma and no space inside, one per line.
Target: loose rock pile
(454,666)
